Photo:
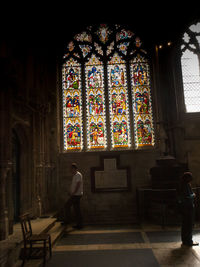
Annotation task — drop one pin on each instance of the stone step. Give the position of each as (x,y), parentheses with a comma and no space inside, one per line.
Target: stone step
(56,232)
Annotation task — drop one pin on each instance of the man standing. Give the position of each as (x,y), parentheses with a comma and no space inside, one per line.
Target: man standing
(187,209)
(76,192)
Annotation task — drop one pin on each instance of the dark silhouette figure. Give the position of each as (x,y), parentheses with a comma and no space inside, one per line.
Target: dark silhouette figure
(187,209)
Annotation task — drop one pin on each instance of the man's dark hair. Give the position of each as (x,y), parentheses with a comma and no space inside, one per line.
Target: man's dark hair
(74,166)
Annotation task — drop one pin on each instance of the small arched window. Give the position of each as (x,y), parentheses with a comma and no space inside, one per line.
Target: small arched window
(106,91)
(190,63)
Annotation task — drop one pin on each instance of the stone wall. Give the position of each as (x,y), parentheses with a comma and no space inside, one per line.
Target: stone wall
(107,207)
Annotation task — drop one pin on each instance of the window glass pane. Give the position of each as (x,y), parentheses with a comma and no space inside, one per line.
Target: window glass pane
(191,81)
(96,121)
(190,64)
(72,105)
(142,105)
(118,102)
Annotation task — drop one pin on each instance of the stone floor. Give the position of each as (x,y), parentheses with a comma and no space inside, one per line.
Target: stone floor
(122,246)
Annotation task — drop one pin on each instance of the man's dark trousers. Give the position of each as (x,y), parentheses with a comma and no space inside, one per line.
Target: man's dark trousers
(75,202)
(187,222)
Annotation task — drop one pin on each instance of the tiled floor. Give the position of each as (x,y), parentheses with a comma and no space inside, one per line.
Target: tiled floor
(123,246)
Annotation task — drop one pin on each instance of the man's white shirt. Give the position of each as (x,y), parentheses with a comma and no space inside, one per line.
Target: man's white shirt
(77,178)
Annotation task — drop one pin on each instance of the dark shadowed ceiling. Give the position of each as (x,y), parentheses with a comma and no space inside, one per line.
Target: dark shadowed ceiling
(54,24)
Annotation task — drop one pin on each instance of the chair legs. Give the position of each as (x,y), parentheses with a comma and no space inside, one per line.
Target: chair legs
(24,255)
(50,249)
(27,254)
(45,249)
(30,251)
(23,261)
(44,253)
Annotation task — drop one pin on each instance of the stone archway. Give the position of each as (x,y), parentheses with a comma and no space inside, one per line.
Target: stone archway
(22,182)
(18,185)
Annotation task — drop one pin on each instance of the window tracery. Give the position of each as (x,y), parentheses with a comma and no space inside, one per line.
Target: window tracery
(190,64)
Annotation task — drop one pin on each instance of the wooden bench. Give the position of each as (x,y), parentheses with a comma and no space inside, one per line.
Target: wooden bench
(30,239)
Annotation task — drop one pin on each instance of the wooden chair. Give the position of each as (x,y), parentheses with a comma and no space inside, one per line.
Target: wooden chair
(30,239)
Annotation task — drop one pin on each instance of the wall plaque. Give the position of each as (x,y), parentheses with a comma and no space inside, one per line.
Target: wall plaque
(110,177)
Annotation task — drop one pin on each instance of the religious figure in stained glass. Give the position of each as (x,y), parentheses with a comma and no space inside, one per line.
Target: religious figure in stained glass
(96,132)
(144,131)
(103,33)
(120,132)
(142,101)
(94,77)
(95,102)
(140,74)
(117,76)
(73,129)
(118,102)
(72,104)
(72,78)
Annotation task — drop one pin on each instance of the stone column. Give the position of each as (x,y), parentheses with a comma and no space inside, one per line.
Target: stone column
(5,155)
(40,136)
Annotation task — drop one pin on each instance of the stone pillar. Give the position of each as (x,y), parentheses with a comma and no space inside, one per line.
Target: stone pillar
(5,156)
(4,223)
(41,160)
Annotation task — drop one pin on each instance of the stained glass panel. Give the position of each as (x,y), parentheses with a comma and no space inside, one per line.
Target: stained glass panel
(98,49)
(96,122)
(118,102)
(72,105)
(142,103)
(110,48)
(85,49)
(103,32)
(70,46)
(83,37)
(123,47)
(123,35)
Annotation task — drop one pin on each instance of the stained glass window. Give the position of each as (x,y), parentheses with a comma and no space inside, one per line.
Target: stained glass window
(142,104)
(106,91)
(118,102)
(190,63)
(72,106)
(96,122)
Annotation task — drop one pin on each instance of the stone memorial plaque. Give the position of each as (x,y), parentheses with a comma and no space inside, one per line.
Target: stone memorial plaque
(110,164)
(110,177)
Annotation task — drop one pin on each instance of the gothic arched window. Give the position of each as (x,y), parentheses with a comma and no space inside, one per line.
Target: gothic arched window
(106,91)
(190,63)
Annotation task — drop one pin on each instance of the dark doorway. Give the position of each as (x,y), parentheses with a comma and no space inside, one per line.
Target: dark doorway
(16,177)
